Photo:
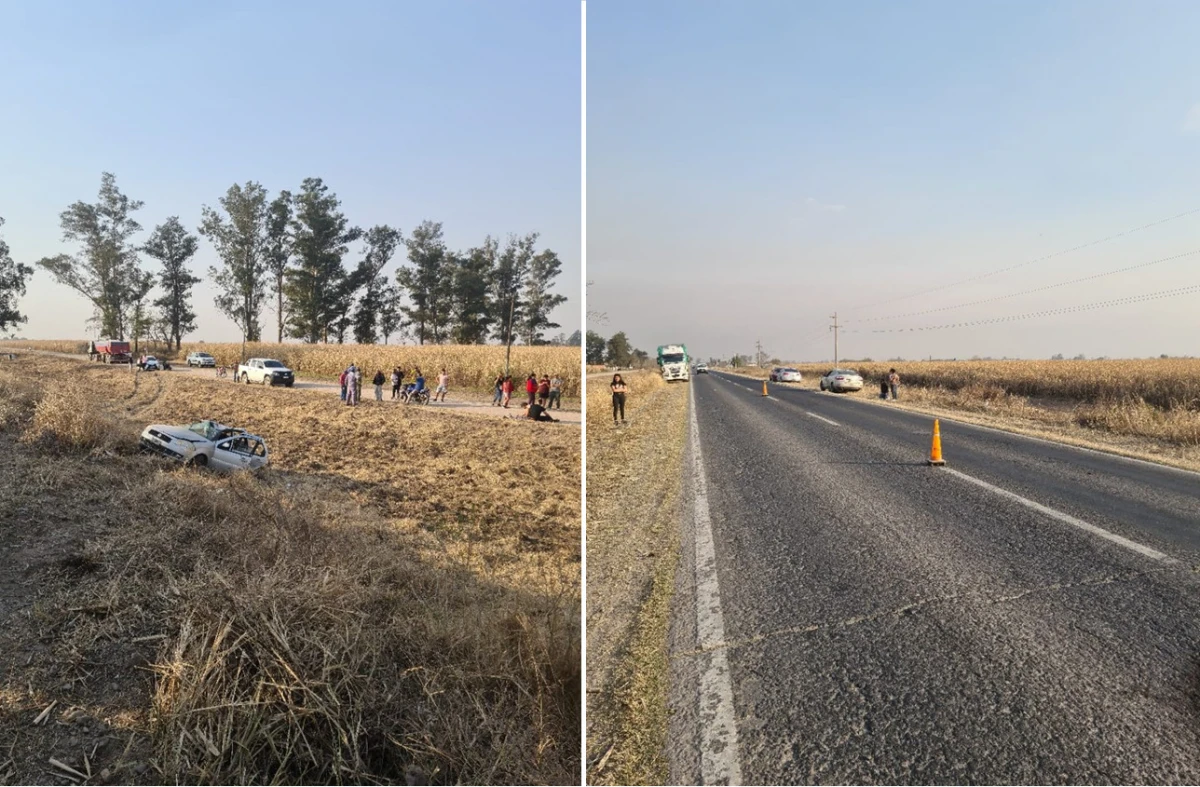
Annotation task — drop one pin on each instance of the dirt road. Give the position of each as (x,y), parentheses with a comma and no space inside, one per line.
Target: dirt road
(462,403)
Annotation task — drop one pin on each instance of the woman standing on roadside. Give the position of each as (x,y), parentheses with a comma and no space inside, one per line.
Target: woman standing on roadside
(618,392)
(499,392)
(507,388)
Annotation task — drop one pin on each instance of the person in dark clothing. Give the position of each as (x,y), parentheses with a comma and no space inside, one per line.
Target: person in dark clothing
(883,387)
(378,380)
(535,412)
(618,397)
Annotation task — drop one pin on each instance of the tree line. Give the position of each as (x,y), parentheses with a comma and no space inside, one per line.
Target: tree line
(290,251)
(613,351)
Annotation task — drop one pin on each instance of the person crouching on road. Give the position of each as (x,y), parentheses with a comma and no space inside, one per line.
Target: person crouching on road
(378,380)
(535,412)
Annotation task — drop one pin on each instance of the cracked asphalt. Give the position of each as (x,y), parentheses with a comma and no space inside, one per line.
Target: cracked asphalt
(887,622)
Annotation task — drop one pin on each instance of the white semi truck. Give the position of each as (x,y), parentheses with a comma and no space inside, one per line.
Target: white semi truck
(674,362)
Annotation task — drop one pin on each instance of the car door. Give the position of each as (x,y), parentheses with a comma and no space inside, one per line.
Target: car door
(231,454)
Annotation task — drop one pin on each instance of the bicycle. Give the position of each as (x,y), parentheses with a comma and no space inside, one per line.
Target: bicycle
(222,371)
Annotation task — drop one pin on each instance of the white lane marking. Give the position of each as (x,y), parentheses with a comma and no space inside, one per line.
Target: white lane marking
(719,762)
(822,418)
(1142,549)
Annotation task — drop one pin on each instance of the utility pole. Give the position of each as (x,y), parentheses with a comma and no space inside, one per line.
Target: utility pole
(834,328)
(758,353)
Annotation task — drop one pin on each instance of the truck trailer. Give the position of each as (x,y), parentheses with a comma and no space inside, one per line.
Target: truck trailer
(109,351)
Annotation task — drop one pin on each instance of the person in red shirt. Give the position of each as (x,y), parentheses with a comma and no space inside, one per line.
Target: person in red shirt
(507,388)
(531,386)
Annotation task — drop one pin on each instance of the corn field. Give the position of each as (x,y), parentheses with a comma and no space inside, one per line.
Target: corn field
(1164,383)
(470,366)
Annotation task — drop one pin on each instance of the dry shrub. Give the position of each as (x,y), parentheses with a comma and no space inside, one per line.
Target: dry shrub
(311,655)
(1134,416)
(65,418)
(18,397)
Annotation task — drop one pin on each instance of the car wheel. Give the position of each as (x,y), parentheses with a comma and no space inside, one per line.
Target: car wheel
(199,460)
(265,380)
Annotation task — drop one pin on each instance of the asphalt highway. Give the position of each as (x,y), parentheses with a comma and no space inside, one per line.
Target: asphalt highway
(847,614)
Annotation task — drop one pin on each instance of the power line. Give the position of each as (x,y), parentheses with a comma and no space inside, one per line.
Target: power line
(1035,289)
(1151,296)
(1031,262)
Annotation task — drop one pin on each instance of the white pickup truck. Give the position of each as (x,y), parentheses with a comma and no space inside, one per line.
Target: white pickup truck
(265,371)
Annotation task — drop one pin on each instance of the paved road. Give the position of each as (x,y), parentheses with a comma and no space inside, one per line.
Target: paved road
(847,614)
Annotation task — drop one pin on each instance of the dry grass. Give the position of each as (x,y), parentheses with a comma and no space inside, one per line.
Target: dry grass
(395,600)
(470,366)
(634,486)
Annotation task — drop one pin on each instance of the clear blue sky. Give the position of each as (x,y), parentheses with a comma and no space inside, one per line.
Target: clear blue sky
(753,168)
(466,113)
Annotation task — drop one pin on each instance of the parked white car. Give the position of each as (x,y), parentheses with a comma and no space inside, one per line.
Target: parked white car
(151,364)
(841,380)
(201,359)
(207,444)
(701,368)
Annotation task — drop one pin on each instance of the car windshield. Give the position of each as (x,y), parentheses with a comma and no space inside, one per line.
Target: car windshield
(791,371)
(203,355)
(672,358)
(206,429)
(272,364)
(847,371)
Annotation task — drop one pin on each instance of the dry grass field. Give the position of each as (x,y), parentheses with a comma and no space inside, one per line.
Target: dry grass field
(395,600)
(1148,408)
(470,366)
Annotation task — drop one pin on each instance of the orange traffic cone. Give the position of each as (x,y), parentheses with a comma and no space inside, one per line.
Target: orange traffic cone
(765,388)
(935,451)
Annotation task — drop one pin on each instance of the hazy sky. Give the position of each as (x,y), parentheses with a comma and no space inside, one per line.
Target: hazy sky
(754,168)
(466,113)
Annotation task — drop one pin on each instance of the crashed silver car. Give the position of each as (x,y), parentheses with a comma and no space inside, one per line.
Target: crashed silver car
(207,444)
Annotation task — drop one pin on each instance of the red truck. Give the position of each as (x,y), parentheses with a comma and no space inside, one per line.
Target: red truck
(109,351)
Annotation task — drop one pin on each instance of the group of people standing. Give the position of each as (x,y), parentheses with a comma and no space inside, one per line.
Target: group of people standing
(350,383)
(545,392)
